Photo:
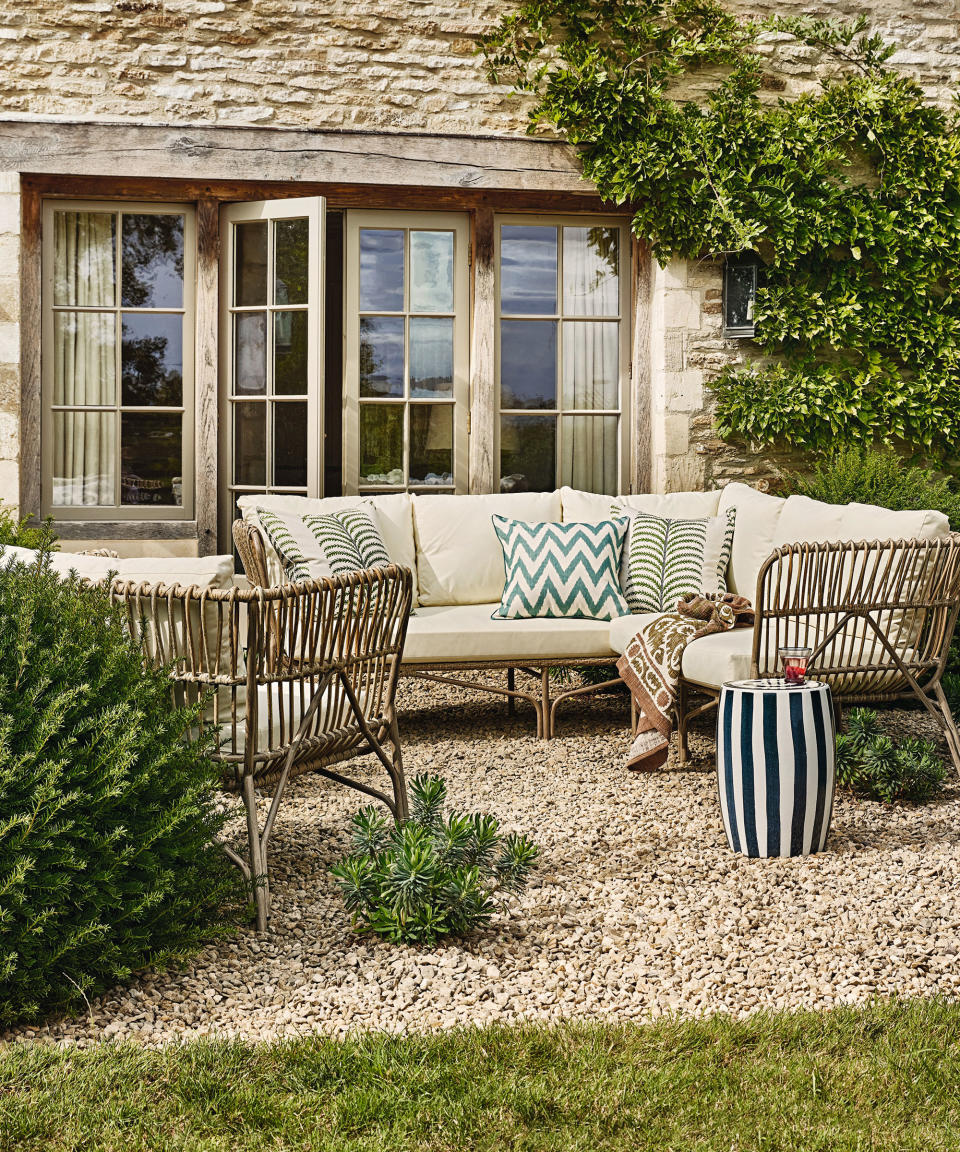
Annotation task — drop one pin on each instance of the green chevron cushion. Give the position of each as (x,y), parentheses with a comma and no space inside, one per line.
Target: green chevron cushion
(284,534)
(663,559)
(565,570)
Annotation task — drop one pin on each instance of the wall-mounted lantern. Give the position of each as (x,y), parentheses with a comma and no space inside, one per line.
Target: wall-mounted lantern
(739,295)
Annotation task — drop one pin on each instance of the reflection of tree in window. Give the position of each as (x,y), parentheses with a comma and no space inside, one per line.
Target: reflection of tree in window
(145,379)
(152,261)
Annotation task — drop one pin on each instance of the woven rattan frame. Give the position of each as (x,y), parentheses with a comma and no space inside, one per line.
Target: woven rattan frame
(879,616)
(324,657)
(544,697)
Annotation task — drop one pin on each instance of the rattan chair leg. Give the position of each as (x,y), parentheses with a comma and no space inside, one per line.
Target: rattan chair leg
(683,746)
(544,719)
(259,878)
(949,725)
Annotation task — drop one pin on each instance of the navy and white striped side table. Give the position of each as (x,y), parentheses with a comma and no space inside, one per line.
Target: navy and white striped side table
(776,748)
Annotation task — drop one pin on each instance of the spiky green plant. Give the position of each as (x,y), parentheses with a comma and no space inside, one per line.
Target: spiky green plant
(107,813)
(872,765)
(432,875)
(27,532)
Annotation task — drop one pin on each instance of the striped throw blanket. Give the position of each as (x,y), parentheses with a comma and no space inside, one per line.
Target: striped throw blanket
(650,665)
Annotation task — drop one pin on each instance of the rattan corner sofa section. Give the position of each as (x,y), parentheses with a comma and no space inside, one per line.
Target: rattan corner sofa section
(882,614)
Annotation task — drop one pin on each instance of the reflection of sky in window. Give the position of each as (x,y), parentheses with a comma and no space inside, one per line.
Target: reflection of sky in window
(152,358)
(381,356)
(528,364)
(152,248)
(528,269)
(431,357)
(381,269)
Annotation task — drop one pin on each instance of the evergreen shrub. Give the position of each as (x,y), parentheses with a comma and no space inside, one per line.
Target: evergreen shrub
(107,813)
(871,765)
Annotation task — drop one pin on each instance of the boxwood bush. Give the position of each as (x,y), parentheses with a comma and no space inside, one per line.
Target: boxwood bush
(107,814)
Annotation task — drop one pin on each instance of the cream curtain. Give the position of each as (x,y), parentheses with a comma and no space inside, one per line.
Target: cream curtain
(84,351)
(591,368)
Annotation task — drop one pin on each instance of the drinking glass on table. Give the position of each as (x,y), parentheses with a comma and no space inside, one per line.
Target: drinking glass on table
(794,664)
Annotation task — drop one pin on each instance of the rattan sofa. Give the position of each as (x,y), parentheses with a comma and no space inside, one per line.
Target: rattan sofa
(449,543)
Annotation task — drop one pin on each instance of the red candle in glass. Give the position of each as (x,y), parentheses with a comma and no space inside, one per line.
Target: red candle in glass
(794,661)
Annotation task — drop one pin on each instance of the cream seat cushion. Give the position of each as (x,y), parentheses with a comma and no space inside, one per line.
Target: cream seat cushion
(758,515)
(579,505)
(461,633)
(269,733)
(393,514)
(459,558)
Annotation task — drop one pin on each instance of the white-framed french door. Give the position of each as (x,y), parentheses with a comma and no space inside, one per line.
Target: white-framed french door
(271,356)
(407,351)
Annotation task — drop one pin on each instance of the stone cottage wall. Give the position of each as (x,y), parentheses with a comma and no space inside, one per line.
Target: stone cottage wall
(401,65)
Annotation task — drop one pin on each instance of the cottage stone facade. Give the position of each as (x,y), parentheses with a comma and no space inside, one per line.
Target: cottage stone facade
(398,66)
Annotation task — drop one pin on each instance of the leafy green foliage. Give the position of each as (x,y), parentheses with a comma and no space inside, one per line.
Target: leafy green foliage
(878,476)
(849,196)
(22,533)
(870,764)
(431,875)
(107,819)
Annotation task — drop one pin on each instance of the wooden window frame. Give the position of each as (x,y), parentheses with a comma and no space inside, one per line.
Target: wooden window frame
(458,223)
(626,471)
(102,515)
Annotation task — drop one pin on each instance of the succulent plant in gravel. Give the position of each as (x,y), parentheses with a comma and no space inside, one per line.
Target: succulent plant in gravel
(872,765)
(432,875)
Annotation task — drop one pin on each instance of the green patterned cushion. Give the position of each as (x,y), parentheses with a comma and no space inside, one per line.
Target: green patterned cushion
(350,540)
(280,533)
(565,570)
(663,559)
(315,547)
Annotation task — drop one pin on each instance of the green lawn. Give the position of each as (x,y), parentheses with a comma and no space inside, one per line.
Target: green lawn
(885,1077)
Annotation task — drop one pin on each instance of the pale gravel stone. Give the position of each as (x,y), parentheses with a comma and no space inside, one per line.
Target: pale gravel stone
(639,908)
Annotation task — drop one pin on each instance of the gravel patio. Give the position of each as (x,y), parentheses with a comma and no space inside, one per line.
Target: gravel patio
(638,908)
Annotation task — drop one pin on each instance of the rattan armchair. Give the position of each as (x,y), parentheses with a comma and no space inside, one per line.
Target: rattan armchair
(879,617)
(294,679)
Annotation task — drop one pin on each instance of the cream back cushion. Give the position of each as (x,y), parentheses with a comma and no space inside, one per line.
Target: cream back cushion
(393,514)
(758,515)
(459,558)
(821,523)
(579,505)
(206,571)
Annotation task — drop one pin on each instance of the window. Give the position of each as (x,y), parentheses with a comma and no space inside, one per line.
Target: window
(118,335)
(270,354)
(406,393)
(739,295)
(561,353)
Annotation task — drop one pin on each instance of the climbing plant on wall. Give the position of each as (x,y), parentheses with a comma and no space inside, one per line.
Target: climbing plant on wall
(849,195)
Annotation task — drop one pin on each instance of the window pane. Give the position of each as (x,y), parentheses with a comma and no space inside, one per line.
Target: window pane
(84,358)
(249,443)
(250,353)
(84,258)
(591,364)
(528,269)
(84,458)
(381,355)
(740,288)
(151,251)
(381,269)
(290,445)
(591,271)
(431,271)
(250,255)
(528,364)
(590,457)
(381,444)
(528,453)
(290,353)
(431,444)
(151,458)
(291,254)
(151,358)
(431,357)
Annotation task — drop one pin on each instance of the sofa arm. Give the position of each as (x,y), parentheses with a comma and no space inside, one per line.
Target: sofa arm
(252,550)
